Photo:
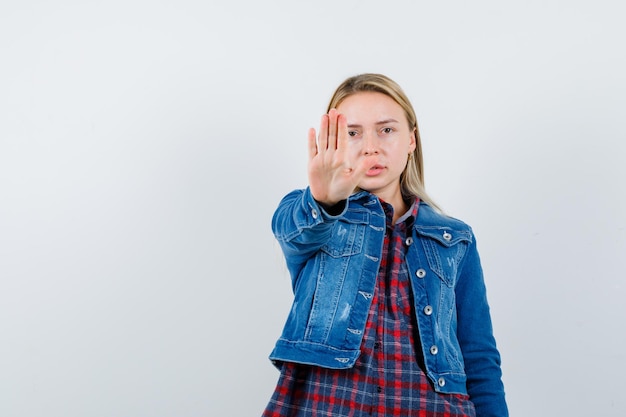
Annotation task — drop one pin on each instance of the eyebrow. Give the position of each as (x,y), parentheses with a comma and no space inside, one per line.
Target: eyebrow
(382,122)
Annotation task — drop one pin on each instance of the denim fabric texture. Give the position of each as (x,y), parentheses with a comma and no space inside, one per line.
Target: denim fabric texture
(333,261)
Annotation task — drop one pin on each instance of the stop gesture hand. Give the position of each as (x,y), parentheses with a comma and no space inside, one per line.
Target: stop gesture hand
(335,167)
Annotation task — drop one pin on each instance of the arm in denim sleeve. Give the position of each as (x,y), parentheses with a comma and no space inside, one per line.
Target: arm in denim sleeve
(475,333)
(302,226)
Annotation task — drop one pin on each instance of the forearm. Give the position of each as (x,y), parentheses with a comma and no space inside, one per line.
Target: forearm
(475,333)
(302,225)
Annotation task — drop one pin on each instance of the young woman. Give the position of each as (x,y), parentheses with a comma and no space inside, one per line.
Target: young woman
(390,315)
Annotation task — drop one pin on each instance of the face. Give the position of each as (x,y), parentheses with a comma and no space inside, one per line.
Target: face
(378,128)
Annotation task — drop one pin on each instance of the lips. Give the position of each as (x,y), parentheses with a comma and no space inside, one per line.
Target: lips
(375,170)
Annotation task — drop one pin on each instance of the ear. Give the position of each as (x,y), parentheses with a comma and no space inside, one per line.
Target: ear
(413,142)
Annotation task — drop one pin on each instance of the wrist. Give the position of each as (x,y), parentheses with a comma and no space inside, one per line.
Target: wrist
(333,209)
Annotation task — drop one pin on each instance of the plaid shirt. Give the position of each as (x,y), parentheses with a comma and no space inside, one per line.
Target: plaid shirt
(388,378)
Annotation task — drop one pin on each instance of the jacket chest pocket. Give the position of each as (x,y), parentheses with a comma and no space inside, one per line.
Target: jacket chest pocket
(444,249)
(347,235)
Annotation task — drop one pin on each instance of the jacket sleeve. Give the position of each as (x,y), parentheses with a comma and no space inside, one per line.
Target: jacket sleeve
(302,227)
(478,345)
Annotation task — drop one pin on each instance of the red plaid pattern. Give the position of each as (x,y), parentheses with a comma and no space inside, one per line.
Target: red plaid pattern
(387,379)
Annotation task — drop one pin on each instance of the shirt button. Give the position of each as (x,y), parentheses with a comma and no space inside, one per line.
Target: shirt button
(377,345)
(441,381)
(379,389)
(409,241)
(314,213)
(420,273)
(428,310)
(434,350)
(447,236)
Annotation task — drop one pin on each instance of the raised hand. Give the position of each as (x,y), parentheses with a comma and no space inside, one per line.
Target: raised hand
(335,169)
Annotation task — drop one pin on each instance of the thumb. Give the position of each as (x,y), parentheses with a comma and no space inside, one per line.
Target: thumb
(362,165)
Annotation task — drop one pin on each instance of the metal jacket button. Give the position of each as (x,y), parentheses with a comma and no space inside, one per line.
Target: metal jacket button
(441,381)
(314,213)
(428,310)
(409,241)
(434,350)
(420,273)
(447,236)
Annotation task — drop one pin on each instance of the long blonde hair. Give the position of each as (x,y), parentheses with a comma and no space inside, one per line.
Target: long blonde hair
(412,178)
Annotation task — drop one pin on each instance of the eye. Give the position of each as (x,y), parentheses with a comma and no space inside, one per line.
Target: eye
(352,133)
(387,130)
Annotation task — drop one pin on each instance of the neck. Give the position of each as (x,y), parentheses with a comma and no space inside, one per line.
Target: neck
(397,202)
(399,208)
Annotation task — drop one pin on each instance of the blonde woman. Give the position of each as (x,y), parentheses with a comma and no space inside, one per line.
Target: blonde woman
(390,315)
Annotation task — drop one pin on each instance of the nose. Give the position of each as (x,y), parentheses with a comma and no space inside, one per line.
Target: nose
(370,144)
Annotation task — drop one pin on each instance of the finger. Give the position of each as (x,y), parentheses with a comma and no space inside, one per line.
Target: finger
(323,138)
(332,129)
(342,132)
(312,143)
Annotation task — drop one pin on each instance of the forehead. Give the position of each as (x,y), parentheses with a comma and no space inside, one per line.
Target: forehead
(371,107)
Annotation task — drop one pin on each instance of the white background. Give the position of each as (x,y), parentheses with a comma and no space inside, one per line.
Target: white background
(144,146)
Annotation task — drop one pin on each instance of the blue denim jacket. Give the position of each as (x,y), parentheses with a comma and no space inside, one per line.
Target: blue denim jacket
(333,261)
